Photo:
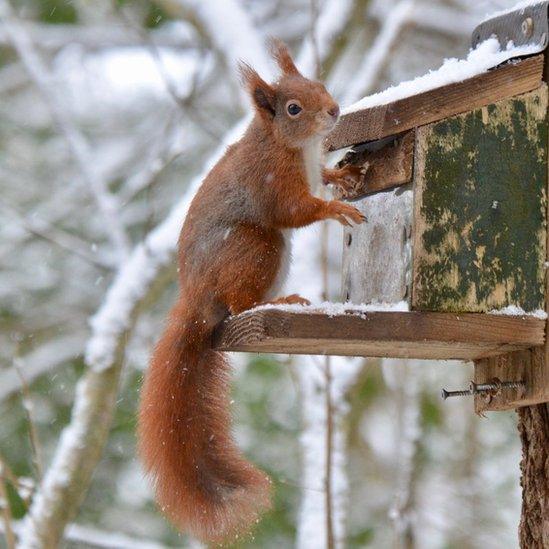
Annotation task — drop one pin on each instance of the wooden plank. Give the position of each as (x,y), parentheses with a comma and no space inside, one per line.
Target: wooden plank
(480,208)
(377,254)
(386,164)
(528,366)
(384,120)
(531,366)
(381,334)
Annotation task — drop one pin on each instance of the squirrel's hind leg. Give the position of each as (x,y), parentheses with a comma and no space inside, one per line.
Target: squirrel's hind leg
(293,299)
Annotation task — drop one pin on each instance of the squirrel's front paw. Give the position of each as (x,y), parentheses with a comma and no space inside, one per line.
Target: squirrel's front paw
(344,212)
(348,180)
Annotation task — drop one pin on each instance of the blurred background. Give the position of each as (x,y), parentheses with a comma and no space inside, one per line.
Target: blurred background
(110,111)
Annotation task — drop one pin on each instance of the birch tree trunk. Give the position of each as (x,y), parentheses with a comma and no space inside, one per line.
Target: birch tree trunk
(533,427)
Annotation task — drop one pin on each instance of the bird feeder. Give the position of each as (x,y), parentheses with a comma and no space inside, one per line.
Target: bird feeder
(454,186)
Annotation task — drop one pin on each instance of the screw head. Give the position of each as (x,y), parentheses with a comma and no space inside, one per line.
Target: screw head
(527,27)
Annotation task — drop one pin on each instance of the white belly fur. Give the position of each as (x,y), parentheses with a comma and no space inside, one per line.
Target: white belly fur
(312,158)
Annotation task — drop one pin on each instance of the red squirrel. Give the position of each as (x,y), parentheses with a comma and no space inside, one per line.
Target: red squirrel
(233,255)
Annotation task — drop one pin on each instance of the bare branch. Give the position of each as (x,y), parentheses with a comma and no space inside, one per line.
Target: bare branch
(409,437)
(432,16)
(96,37)
(230,28)
(12,76)
(40,361)
(6,510)
(28,406)
(78,145)
(185,103)
(168,150)
(60,238)
(369,71)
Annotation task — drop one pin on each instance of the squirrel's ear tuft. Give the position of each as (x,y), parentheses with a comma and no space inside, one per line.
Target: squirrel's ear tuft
(282,56)
(263,95)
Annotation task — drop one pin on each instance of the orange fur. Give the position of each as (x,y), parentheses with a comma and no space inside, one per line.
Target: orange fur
(230,252)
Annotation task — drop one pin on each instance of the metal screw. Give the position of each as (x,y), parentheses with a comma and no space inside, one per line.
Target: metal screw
(496,386)
(527,27)
(446,394)
(492,388)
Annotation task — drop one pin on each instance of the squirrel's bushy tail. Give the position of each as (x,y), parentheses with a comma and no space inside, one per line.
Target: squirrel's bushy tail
(202,481)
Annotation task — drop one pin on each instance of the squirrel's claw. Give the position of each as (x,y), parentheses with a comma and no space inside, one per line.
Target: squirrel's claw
(345,212)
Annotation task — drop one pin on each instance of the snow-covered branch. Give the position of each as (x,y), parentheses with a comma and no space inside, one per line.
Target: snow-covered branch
(172,145)
(82,441)
(94,537)
(77,143)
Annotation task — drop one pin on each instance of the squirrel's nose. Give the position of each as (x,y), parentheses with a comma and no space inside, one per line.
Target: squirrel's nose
(334,111)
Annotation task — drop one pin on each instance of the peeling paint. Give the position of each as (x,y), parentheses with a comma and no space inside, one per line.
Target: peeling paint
(470,255)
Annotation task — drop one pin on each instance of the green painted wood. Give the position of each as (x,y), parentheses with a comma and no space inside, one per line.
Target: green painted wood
(480,208)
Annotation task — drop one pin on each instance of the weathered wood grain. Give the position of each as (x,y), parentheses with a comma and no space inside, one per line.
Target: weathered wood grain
(480,208)
(379,334)
(378,122)
(530,366)
(387,163)
(377,254)
(527,366)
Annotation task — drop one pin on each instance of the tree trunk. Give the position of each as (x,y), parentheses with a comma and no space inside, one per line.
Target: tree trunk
(533,426)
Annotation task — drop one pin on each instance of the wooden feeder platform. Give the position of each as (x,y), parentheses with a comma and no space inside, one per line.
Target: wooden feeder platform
(427,335)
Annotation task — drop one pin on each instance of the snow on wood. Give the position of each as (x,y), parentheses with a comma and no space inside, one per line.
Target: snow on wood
(485,56)
(514,310)
(335,309)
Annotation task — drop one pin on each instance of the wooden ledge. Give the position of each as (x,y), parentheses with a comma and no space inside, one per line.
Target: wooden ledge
(424,335)
(374,123)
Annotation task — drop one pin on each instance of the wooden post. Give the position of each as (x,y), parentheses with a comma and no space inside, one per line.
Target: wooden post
(533,426)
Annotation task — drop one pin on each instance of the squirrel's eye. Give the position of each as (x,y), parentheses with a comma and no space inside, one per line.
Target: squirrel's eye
(294,109)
